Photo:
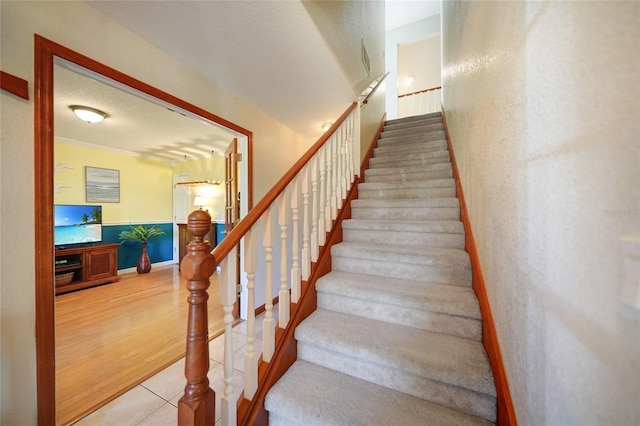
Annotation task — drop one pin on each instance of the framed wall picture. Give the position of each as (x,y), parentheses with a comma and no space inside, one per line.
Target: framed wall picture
(102,185)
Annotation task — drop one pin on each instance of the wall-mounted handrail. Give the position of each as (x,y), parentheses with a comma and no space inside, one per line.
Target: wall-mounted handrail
(420,91)
(309,195)
(373,90)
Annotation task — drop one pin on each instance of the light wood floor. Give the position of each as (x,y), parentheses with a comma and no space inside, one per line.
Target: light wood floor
(111,338)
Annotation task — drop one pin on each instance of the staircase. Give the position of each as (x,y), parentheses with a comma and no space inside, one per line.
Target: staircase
(396,336)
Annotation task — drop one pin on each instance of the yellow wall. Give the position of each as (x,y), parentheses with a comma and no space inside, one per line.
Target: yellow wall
(145,184)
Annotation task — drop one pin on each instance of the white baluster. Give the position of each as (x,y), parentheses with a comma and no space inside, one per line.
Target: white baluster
(327,206)
(251,356)
(268,325)
(315,208)
(227,299)
(334,180)
(283,301)
(306,252)
(320,222)
(352,175)
(295,245)
(344,170)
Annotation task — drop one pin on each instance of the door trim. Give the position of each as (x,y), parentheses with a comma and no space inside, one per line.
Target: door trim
(45,51)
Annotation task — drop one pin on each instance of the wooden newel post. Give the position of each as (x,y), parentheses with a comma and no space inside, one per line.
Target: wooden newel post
(197,405)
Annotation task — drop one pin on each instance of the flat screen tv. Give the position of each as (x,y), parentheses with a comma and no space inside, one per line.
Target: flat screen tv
(76,224)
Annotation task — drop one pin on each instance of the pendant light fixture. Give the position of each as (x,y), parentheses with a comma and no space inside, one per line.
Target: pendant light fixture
(209,179)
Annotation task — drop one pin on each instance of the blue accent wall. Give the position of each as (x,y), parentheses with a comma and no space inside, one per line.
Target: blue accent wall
(160,248)
(219,235)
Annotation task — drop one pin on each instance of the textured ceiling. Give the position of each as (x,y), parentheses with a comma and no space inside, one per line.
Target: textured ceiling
(269,53)
(134,124)
(403,12)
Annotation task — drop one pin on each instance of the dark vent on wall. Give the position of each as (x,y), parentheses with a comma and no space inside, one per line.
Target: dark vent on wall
(365,58)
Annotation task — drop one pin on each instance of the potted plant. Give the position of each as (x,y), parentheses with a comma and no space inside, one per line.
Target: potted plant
(141,234)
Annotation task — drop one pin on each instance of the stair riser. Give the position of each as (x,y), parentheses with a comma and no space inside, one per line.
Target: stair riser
(421,239)
(406,170)
(277,420)
(409,177)
(444,394)
(428,213)
(468,328)
(409,193)
(410,131)
(411,124)
(433,274)
(429,137)
(403,156)
(410,148)
(409,163)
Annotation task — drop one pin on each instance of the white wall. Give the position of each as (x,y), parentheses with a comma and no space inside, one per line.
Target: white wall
(81,28)
(420,59)
(417,30)
(343,25)
(542,102)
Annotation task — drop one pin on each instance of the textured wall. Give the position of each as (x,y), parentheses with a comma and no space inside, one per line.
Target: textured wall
(424,28)
(343,25)
(420,59)
(542,100)
(80,27)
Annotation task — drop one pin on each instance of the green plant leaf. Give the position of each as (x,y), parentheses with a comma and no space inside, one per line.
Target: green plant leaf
(139,233)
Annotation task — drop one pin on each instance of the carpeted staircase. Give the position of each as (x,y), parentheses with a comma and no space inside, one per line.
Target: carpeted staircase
(396,336)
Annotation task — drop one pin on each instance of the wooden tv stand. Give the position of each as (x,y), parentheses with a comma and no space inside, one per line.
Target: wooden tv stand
(91,265)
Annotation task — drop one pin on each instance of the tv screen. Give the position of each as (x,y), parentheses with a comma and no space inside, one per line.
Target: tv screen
(76,224)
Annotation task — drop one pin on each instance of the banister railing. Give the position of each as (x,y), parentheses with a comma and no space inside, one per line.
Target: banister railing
(372,89)
(420,102)
(314,187)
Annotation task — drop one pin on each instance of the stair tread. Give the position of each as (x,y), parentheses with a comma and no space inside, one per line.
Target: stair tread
(314,395)
(415,117)
(407,169)
(427,183)
(412,124)
(423,128)
(393,140)
(421,295)
(432,153)
(409,162)
(436,356)
(444,202)
(430,226)
(402,254)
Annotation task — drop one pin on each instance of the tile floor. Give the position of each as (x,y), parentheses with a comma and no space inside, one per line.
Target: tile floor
(154,402)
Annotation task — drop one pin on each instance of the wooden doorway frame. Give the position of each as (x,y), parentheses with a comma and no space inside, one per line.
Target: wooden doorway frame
(45,51)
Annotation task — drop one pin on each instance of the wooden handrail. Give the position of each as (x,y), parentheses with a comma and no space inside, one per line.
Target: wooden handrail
(245,224)
(252,412)
(196,407)
(366,100)
(420,91)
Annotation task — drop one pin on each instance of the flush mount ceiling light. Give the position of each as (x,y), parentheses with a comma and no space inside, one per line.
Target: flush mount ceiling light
(88,114)
(326,126)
